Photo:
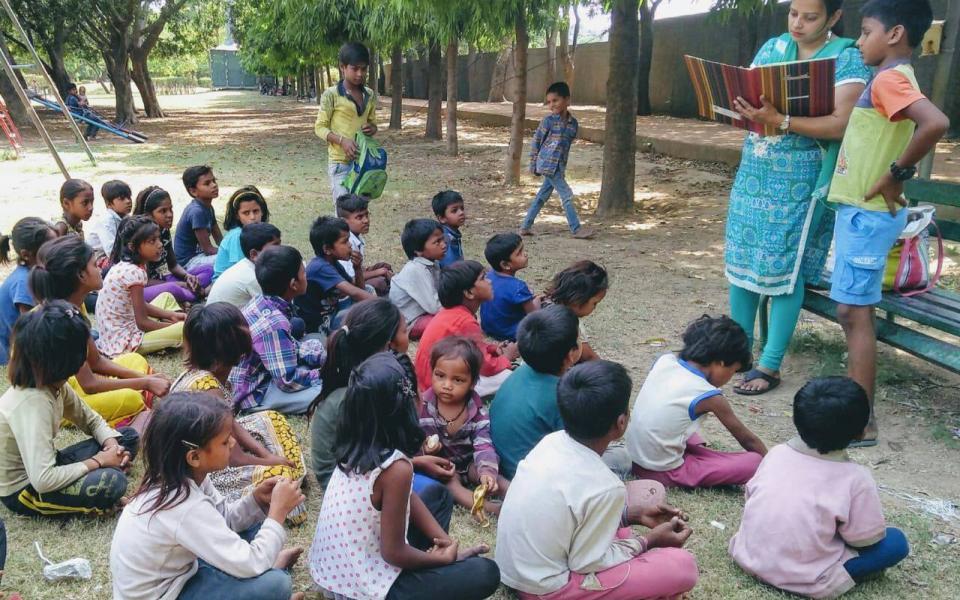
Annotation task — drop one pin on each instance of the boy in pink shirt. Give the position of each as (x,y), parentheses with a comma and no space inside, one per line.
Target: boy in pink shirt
(812,523)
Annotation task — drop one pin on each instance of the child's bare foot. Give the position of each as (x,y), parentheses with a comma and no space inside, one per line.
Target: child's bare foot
(287,558)
(477,550)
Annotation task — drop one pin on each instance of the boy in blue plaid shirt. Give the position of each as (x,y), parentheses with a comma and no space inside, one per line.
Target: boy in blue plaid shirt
(548,158)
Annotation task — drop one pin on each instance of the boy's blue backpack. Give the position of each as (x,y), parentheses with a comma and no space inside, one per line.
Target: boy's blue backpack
(368,172)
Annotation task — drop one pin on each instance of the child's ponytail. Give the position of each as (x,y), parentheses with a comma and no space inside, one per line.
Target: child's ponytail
(56,276)
(4,249)
(28,235)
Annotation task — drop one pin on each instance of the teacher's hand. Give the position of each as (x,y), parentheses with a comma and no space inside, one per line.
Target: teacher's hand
(767,114)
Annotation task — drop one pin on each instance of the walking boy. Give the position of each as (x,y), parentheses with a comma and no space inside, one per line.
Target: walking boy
(548,157)
(891,128)
(346,108)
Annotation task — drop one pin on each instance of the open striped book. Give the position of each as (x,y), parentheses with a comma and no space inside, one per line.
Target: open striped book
(799,89)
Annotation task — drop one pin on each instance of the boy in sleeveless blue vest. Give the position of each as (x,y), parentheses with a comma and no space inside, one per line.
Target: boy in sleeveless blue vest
(892,127)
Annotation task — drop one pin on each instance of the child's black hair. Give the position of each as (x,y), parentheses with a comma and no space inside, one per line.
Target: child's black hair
(545,337)
(114,189)
(59,264)
(915,16)
(455,280)
(591,397)
(458,347)
(830,412)
(181,422)
(415,235)
(247,193)
(369,328)
(578,283)
(275,267)
(354,54)
(559,88)
(257,235)
(28,235)
(69,86)
(716,339)
(444,200)
(378,416)
(215,334)
(325,231)
(72,187)
(500,247)
(347,204)
(49,345)
(132,232)
(149,199)
(191,175)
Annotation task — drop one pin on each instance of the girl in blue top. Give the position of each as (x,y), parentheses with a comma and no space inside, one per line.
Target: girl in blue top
(15,296)
(245,206)
(778,232)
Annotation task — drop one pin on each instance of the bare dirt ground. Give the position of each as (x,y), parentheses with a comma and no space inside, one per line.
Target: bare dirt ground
(666,267)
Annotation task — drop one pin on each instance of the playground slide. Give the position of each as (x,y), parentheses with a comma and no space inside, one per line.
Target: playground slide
(118,130)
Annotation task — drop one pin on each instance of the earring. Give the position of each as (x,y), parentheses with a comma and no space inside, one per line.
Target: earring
(829,35)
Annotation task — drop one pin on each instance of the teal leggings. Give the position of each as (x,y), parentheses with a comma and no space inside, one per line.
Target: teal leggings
(784,314)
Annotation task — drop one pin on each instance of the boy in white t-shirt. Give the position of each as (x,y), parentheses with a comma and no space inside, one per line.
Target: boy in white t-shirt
(354,210)
(238,284)
(663,439)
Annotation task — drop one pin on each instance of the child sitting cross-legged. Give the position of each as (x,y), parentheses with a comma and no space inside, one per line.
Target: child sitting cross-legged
(564,529)
(453,412)
(525,407)
(360,549)
(414,289)
(663,438)
(448,208)
(463,290)
(37,479)
(355,211)
(238,284)
(245,207)
(580,287)
(812,523)
(126,321)
(16,297)
(165,274)
(280,373)
(178,537)
(330,290)
(120,389)
(215,338)
(119,201)
(512,299)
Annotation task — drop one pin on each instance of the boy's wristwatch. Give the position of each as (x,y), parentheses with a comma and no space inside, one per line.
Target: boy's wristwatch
(902,173)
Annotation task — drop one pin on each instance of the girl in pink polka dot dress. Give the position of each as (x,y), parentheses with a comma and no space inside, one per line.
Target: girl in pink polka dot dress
(360,549)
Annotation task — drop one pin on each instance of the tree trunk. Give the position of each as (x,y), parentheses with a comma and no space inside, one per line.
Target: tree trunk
(17,111)
(409,81)
(620,139)
(453,49)
(434,91)
(373,71)
(57,66)
(471,61)
(645,59)
(140,74)
(551,56)
(318,79)
(498,80)
(568,51)
(382,78)
(116,57)
(396,88)
(512,175)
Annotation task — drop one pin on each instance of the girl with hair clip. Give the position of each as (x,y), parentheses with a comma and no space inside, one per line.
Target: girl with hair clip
(165,274)
(360,549)
(179,538)
(15,297)
(37,479)
(119,390)
(580,287)
(245,206)
(76,200)
(128,323)
(215,338)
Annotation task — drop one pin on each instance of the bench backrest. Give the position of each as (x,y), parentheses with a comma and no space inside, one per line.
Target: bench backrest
(938,193)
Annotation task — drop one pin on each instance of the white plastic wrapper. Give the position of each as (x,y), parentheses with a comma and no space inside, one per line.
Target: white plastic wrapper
(75,568)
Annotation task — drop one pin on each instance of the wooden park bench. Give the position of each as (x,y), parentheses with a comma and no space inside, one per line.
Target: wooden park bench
(938,309)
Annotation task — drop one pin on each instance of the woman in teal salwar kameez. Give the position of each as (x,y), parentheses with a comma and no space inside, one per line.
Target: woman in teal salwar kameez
(778,229)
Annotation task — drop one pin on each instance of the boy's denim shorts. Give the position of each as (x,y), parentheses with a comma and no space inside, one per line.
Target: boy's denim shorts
(863,238)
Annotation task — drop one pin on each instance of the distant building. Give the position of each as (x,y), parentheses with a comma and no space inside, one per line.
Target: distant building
(226,71)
